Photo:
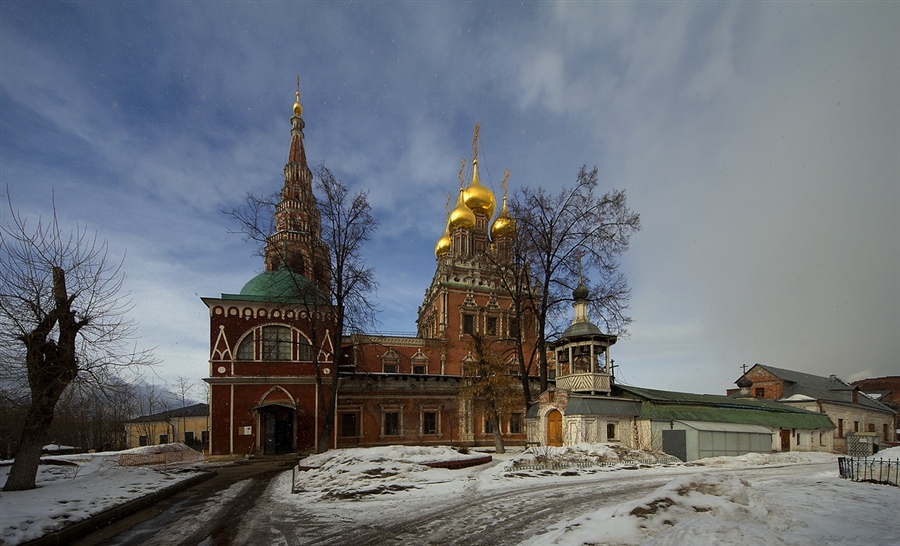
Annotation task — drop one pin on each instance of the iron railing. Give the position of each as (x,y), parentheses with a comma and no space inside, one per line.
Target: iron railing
(588,463)
(861,469)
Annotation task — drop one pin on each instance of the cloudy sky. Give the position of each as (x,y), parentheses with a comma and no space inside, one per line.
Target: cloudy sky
(758,141)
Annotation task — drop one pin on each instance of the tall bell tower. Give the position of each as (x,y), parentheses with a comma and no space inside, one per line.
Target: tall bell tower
(297,241)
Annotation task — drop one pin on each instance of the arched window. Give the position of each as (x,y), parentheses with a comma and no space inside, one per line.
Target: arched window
(245,349)
(276,343)
(306,350)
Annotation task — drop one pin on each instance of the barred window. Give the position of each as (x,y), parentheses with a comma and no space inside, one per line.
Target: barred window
(276,343)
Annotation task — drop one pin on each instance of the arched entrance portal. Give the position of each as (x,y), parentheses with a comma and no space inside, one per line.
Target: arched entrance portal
(554,428)
(277,425)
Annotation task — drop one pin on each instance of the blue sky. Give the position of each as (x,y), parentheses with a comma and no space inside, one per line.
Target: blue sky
(758,141)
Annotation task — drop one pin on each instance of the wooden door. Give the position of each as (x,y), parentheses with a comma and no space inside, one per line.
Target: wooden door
(554,428)
(785,440)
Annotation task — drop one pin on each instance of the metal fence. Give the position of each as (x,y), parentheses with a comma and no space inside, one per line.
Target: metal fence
(165,458)
(588,463)
(860,469)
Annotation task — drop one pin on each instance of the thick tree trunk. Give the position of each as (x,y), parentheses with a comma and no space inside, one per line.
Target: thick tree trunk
(498,438)
(23,473)
(51,367)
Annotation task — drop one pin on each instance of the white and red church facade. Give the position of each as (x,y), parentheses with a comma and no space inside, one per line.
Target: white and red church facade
(266,342)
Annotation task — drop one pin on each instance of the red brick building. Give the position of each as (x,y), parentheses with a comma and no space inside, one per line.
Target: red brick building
(266,341)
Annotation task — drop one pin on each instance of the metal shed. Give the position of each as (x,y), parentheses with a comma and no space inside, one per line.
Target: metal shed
(691,440)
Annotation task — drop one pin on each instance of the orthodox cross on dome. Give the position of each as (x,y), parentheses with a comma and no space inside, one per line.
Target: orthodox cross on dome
(475,142)
(580,253)
(505,183)
(462,169)
(298,108)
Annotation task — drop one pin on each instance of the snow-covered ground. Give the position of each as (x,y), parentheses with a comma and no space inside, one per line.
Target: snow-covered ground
(74,487)
(594,494)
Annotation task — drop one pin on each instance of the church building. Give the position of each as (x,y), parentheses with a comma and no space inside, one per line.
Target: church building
(267,340)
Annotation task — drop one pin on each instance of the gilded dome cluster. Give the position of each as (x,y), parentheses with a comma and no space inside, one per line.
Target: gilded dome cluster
(479,199)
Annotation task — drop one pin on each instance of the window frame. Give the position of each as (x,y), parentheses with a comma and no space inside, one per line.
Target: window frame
(611,431)
(468,323)
(282,349)
(398,424)
(247,345)
(435,428)
(344,425)
(515,419)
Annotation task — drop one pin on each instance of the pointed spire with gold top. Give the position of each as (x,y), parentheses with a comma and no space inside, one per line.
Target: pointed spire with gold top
(479,198)
(297,153)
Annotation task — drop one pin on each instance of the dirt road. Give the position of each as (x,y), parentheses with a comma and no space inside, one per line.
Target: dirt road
(144,525)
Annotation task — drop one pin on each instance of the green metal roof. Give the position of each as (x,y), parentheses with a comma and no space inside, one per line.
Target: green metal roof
(665,405)
(281,285)
(579,405)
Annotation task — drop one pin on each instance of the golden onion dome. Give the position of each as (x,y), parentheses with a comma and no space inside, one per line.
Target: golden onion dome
(478,197)
(443,245)
(298,109)
(461,215)
(504,225)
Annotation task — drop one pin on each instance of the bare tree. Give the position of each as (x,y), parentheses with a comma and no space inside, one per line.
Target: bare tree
(337,296)
(183,386)
(63,315)
(554,230)
(489,386)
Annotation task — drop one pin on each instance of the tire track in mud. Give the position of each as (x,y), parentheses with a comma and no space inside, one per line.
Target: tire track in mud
(492,519)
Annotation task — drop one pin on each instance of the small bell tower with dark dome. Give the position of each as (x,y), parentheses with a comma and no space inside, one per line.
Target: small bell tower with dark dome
(583,363)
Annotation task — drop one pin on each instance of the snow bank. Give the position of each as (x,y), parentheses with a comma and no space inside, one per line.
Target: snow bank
(350,474)
(889,453)
(760,459)
(72,488)
(697,509)
(584,457)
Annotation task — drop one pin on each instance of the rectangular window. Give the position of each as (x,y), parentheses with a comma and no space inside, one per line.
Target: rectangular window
(488,427)
(276,343)
(163,439)
(419,369)
(515,423)
(392,423)
(760,392)
(429,422)
(188,437)
(610,431)
(204,437)
(143,440)
(871,427)
(884,434)
(468,324)
(348,425)
(840,430)
(855,426)
(492,326)
(390,368)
